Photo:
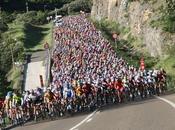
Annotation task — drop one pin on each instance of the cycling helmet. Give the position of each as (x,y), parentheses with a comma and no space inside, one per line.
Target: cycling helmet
(9,93)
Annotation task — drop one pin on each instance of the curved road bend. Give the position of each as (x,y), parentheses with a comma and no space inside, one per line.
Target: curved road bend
(152,114)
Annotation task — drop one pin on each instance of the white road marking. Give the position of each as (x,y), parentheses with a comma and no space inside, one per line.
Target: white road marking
(98,112)
(84,120)
(89,120)
(167,101)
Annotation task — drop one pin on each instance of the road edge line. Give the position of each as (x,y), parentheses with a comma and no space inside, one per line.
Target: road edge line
(167,101)
(83,121)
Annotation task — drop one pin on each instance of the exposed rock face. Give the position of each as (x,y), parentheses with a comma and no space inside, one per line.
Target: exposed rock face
(135,15)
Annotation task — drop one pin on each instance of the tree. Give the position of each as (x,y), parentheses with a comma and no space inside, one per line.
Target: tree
(169,16)
(8,47)
(3,26)
(20,5)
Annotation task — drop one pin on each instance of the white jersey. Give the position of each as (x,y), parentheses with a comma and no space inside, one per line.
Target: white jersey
(32,97)
(26,98)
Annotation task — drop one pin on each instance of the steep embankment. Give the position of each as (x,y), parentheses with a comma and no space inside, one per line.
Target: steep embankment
(137,16)
(142,20)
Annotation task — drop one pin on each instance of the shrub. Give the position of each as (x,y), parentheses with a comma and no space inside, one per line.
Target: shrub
(167,18)
(7,17)
(32,17)
(40,18)
(74,7)
(3,26)
(169,23)
(78,5)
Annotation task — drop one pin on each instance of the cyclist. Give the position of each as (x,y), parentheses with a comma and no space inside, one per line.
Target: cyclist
(27,103)
(120,88)
(8,102)
(48,99)
(32,97)
(79,91)
(16,100)
(57,92)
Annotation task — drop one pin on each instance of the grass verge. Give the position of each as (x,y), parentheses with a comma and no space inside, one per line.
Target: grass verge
(32,36)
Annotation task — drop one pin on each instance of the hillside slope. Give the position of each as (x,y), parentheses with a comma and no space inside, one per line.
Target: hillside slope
(147,22)
(137,16)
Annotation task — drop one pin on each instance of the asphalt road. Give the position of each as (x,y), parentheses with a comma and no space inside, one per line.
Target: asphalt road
(152,114)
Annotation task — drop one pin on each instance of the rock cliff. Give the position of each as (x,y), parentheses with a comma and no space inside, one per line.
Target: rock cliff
(137,16)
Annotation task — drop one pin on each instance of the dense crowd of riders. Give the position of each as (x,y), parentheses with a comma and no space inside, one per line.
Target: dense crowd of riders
(86,74)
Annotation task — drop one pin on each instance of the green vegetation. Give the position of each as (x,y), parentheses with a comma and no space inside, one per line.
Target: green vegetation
(132,48)
(32,17)
(20,33)
(3,26)
(164,18)
(166,21)
(63,6)
(20,5)
(8,47)
(74,7)
(14,76)
(33,36)
(168,63)
(36,36)
(126,48)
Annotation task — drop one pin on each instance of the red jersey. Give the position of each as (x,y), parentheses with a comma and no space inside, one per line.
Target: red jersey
(119,85)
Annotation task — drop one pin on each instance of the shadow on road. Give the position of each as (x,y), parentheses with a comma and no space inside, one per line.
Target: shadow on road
(102,108)
(136,102)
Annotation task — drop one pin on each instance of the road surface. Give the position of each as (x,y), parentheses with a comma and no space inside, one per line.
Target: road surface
(151,114)
(34,69)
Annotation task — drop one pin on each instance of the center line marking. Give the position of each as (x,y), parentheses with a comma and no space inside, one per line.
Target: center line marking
(84,120)
(167,101)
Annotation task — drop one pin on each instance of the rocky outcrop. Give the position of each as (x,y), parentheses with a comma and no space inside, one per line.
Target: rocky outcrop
(136,16)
